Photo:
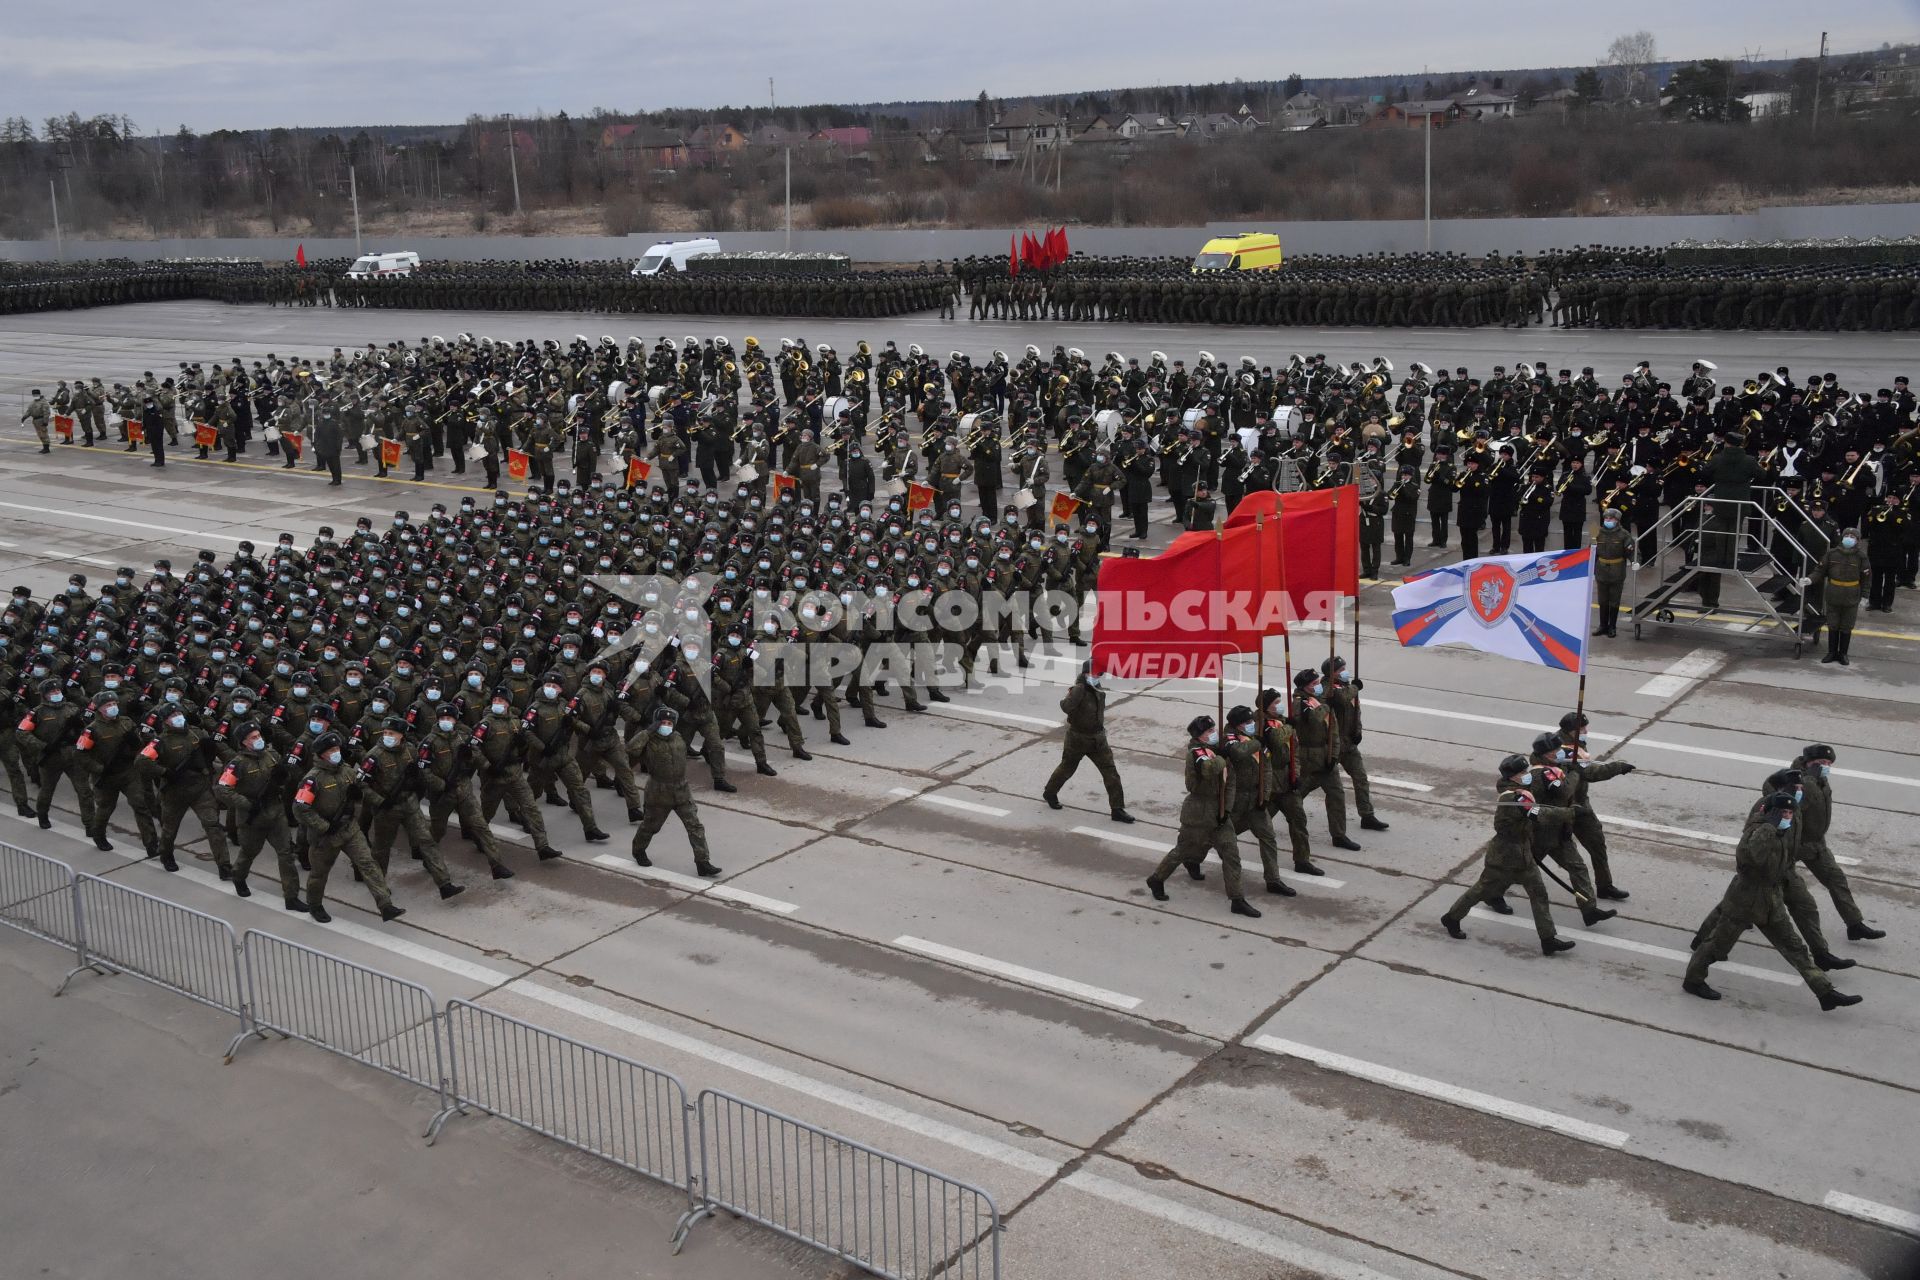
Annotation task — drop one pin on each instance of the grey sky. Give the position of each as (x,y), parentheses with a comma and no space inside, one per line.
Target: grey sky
(210,65)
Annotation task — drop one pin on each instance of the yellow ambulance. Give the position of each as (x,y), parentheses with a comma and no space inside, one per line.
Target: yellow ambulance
(1248,251)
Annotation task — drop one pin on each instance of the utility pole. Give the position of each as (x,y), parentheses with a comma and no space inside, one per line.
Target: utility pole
(353,186)
(789,155)
(1429,181)
(59,246)
(1819,65)
(513,167)
(770,105)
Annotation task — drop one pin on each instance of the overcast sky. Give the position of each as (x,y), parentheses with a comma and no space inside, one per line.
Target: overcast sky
(211,65)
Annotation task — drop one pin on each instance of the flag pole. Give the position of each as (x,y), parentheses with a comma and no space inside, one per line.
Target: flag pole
(1286,617)
(1220,670)
(1333,608)
(1586,641)
(1260,654)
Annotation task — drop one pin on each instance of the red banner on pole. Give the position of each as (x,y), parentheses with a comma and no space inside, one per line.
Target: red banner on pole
(205,436)
(517,464)
(919,496)
(638,473)
(292,443)
(1063,508)
(389,453)
(63,424)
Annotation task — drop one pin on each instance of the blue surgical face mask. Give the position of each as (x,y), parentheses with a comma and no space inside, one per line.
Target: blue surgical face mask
(1786,824)
(665,731)
(1212,736)
(1849,542)
(316,726)
(1525,779)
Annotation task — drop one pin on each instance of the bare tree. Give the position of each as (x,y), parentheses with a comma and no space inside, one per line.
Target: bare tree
(1631,56)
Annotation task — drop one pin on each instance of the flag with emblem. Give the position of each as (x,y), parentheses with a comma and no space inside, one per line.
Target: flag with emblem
(517,464)
(1064,505)
(1533,608)
(136,431)
(63,423)
(919,496)
(781,482)
(637,472)
(389,453)
(204,436)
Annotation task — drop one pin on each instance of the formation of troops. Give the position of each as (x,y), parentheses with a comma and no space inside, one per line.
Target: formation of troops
(1587,287)
(328,700)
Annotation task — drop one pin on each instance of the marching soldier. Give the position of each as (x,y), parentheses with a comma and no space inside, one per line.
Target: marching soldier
(1086,739)
(1755,899)
(390,776)
(1206,819)
(446,765)
(1510,858)
(48,736)
(252,786)
(326,804)
(1343,695)
(1253,791)
(180,760)
(549,725)
(665,759)
(1582,770)
(1815,819)
(1317,727)
(502,749)
(109,749)
(37,413)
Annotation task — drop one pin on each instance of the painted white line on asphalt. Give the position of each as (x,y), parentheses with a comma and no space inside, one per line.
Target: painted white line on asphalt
(131,524)
(1299,1256)
(71,832)
(969,710)
(1847,862)
(1518,921)
(1872,1211)
(1394,1078)
(948,802)
(1161,846)
(1017,973)
(1657,743)
(819,1090)
(1634,824)
(694,884)
(1401,783)
(1690,667)
(400,946)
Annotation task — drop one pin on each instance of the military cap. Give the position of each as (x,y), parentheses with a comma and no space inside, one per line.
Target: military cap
(1199,725)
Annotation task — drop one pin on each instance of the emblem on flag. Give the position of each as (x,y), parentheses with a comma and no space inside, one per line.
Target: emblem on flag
(1532,608)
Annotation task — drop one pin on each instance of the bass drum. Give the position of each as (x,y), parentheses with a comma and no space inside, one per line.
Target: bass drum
(831,408)
(1109,421)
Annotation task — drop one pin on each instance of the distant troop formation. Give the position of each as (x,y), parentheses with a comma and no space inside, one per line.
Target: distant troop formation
(1587,288)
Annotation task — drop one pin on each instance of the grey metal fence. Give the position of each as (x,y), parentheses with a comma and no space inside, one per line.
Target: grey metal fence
(887,1215)
(374,1018)
(882,1213)
(36,896)
(623,1111)
(191,953)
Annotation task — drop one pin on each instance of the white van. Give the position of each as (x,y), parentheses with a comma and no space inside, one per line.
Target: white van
(672,255)
(383,264)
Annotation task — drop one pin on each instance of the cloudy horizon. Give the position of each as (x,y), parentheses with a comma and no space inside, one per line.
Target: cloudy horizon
(208,66)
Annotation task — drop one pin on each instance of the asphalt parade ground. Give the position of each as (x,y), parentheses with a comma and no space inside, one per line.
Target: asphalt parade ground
(910,948)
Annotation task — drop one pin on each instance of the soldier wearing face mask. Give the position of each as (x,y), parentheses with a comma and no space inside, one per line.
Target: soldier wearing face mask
(1206,818)
(179,764)
(1317,730)
(665,759)
(326,804)
(1510,860)
(390,803)
(46,737)
(1086,739)
(109,750)
(253,785)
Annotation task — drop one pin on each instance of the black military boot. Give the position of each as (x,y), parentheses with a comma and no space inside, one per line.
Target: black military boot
(240,887)
(1591,915)
(296,903)
(765,770)
(1119,815)
(46,823)
(1700,989)
(1453,927)
(1241,907)
(1831,1000)
(1828,961)
(1833,648)
(101,842)
(391,912)
(1195,871)
(1342,842)
(801,753)
(1554,946)
(1053,801)
(1864,932)
(501,871)
(706,870)
(1371,823)
(1281,888)
(1499,906)
(1158,888)
(594,835)
(451,889)
(319,913)
(1613,893)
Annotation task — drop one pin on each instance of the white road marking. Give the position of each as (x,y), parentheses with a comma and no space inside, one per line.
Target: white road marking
(1017,973)
(948,802)
(1872,1211)
(970,710)
(1690,667)
(1660,744)
(132,524)
(694,884)
(1161,846)
(1303,1257)
(1634,824)
(1394,1078)
(1401,783)
(1518,921)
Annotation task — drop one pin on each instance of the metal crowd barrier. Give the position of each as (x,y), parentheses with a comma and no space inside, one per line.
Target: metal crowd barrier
(879,1212)
(623,1111)
(884,1214)
(190,953)
(36,896)
(374,1018)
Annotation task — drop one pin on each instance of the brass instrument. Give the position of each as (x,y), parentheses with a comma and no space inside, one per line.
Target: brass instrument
(1854,474)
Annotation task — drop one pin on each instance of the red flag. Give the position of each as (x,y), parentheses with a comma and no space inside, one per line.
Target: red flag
(136,431)
(517,464)
(300,256)
(63,423)
(1053,247)
(205,436)
(389,453)
(1013,255)
(290,441)
(637,472)
(919,496)
(1313,543)
(1176,615)
(1065,250)
(781,483)
(1064,505)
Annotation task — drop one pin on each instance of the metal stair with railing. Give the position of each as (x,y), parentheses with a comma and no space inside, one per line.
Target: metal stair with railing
(1719,546)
